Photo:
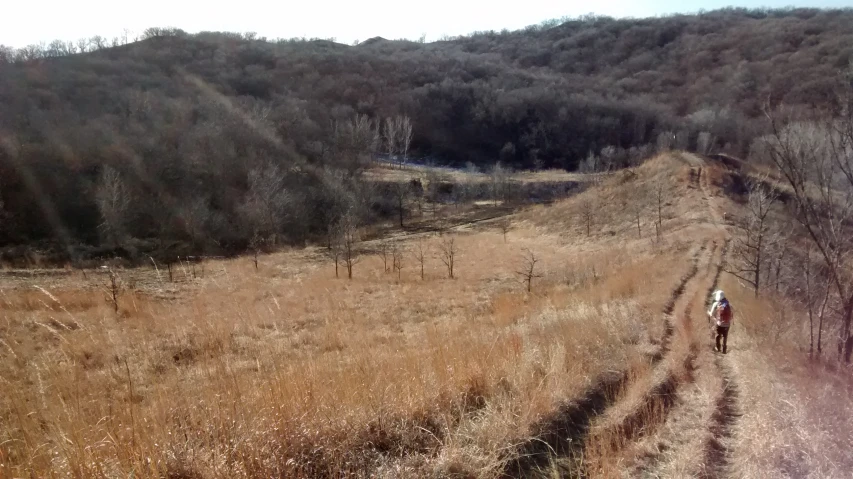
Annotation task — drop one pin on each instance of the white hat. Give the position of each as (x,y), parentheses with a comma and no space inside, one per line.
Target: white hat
(719,295)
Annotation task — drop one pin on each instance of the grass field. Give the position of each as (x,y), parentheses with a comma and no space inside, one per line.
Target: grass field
(287,371)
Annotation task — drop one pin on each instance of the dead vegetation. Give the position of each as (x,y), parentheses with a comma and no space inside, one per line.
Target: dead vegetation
(599,366)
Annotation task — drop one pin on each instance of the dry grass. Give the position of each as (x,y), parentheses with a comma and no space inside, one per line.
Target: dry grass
(796,414)
(287,371)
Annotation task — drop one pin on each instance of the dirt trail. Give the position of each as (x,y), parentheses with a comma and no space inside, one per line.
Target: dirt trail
(647,401)
(558,445)
(694,439)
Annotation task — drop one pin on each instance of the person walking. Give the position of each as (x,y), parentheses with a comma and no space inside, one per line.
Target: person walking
(721,312)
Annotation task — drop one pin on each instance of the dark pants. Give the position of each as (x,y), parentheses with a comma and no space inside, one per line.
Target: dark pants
(722,333)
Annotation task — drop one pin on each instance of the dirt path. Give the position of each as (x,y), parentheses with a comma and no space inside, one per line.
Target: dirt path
(557,448)
(675,420)
(693,440)
(695,436)
(646,404)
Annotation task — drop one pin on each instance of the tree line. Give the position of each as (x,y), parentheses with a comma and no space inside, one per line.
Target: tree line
(208,140)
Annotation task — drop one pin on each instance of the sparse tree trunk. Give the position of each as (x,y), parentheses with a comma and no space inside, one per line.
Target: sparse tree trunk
(528,271)
(449,250)
(420,255)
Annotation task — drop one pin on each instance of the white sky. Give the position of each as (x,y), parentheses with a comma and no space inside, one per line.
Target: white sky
(23,23)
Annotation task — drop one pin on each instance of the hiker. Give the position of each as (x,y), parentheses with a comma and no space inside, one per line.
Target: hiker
(721,312)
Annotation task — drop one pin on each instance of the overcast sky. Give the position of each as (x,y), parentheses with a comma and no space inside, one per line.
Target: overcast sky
(23,23)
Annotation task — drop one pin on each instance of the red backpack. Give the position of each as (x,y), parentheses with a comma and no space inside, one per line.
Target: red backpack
(725,313)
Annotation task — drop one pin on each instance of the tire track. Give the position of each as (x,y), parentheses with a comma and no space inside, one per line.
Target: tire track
(560,436)
(726,412)
(707,414)
(647,403)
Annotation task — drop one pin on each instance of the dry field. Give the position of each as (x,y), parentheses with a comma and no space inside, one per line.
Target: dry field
(602,370)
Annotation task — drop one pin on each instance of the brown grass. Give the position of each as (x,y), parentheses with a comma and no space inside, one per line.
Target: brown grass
(288,371)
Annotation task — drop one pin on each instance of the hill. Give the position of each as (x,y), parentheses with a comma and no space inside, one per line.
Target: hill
(183,120)
(601,367)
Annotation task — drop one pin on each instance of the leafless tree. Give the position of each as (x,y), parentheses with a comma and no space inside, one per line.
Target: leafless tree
(665,141)
(391,136)
(448,249)
(354,142)
(113,289)
(817,298)
(704,142)
(816,161)
(637,207)
(83,45)
(256,243)
(113,201)
(659,193)
(587,213)
(193,216)
(420,253)
(528,268)
(335,247)
(397,254)
(752,244)
(349,239)
(499,180)
(505,226)
(400,191)
(98,42)
(405,138)
(266,202)
(385,250)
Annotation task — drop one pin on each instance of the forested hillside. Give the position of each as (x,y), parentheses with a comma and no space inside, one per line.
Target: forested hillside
(207,139)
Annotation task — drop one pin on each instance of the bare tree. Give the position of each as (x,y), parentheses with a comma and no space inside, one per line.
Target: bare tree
(665,141)
(397,254)
(385,251)
(113,202)
(354,142)
(83,45)
(448,249)
(704,142)
(499,179)
(113,289)
(335,247)
(349,238)
(816,161)
(266,202)
(420,253)
(528,268)
(817,298)
(255,244)
(405,138)
(400,191)
(636,207)
(587,212)
(391,137)
(752,244)
(505,226)
(659,192)
(193,216)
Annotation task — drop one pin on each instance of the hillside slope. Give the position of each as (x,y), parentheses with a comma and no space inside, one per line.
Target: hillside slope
(603,368)
(184,119)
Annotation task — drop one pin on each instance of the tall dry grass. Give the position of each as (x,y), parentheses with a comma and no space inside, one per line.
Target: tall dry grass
(288,372)
(797,418)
